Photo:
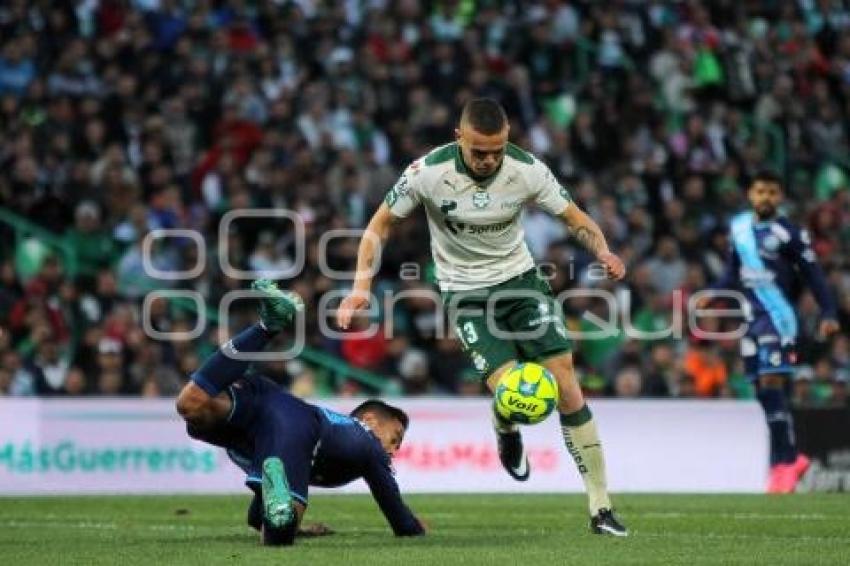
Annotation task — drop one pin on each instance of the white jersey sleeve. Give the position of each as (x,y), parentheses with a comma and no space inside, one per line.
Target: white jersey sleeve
(405,195)
(548,193)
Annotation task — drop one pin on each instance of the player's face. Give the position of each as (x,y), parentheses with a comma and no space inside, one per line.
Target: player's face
(390,432)
(482,153)
(765,198)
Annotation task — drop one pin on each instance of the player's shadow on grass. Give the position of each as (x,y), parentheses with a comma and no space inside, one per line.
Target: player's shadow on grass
(203,538)
(449,539)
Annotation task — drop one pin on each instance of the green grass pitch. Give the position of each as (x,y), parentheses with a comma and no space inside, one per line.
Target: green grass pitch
(465,529)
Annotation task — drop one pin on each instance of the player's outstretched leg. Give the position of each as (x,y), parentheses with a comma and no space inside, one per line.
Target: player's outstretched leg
(511,450)
(277,310)
(581,439)
(279,515)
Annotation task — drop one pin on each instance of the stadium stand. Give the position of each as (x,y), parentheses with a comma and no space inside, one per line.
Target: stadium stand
(118,117)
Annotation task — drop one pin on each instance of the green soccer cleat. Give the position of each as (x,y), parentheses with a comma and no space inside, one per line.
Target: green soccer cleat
(278,507)
(277,308)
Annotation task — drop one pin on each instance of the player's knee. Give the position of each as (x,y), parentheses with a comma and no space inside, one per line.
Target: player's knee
(191,402)
(492,380)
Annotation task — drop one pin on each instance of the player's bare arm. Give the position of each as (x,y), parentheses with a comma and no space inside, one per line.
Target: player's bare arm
(368,255)
(589,235)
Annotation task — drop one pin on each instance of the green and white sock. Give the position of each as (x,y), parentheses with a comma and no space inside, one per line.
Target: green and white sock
(582,441)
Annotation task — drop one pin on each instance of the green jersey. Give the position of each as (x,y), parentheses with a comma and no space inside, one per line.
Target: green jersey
(476,237)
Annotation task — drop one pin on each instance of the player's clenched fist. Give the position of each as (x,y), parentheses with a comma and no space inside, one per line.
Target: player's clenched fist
(355,301)
(614,267)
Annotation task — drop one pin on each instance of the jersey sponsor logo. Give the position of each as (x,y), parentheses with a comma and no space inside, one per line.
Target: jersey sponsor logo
(770,243)
(512,204)
(477,229)
(751,277)
(481,199)
(456,227)
(769,246)
(446,208)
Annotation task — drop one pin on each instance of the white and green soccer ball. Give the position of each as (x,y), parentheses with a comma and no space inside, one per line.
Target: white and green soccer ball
(526,394)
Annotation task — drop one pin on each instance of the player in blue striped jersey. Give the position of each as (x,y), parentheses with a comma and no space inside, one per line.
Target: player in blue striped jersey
(770,260)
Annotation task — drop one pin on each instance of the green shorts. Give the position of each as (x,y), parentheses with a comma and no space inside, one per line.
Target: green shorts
(518,319)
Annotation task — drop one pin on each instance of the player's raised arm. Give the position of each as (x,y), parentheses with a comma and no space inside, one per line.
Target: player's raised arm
(368,254)
(589,235)
(400,201)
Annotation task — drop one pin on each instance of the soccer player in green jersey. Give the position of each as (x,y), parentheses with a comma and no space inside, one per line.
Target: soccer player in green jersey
(501,306)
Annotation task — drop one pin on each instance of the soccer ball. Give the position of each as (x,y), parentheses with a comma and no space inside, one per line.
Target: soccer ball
(527,394)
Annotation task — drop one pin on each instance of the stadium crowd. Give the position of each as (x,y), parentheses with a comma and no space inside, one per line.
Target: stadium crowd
(118,117)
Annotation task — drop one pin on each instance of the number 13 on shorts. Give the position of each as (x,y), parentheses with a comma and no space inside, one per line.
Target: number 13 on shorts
(467,333)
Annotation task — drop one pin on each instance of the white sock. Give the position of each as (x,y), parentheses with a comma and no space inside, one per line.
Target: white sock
(582,441)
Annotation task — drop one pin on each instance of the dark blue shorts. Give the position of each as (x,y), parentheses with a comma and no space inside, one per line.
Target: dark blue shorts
(765,352)
(280,425)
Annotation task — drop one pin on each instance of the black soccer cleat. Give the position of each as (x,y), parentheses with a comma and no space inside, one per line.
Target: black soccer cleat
(512,455)
(605,523)
(255,513)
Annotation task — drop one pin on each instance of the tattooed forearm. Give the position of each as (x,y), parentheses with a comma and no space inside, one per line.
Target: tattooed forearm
(592,240)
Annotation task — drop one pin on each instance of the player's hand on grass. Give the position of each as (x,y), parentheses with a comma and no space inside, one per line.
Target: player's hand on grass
(614,267)
(315,530)
(355,301)
(828,327)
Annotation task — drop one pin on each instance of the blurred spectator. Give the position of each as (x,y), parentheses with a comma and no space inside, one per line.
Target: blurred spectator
(118,118)
(662,373)
(666,267)
(93,245)
(364,348)
(820,385)
(705,374)
(628,382)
